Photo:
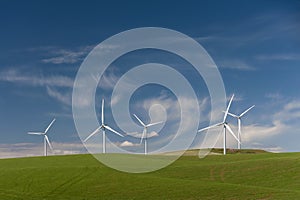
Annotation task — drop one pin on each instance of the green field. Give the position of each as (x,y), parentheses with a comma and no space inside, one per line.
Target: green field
(234,176)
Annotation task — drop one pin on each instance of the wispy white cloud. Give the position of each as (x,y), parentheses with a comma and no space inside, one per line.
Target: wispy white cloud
(278,57)
(251,134)
(257,132)
(205,38)
(237,97)
(139,135)
(64,98)
(128,144)
(289,112)
(18,77)
(274,96)
(66,56)
(284,122)
(271,148)
(65,114)
(57,55)
(57,87)
(236,64)
(34,149)
(108,81)
(179,122)
(257,29)
(281,121)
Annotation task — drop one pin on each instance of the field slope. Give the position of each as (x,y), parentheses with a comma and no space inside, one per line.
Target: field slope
(234,176)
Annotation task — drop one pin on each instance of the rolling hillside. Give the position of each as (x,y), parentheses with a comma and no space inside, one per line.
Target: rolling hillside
(234,176)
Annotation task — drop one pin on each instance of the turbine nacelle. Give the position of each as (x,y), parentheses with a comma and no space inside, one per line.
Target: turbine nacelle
(103,127)
(144,134)
(239,119)
(224,124)
(46,139)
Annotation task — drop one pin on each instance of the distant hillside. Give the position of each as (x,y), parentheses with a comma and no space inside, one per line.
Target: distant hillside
(254,175)
(239,151)
(216,151)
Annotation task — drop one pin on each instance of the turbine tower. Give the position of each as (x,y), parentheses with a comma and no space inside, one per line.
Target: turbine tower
(225,126)
(144,135)
(103,127)
(46,139)
(239,119)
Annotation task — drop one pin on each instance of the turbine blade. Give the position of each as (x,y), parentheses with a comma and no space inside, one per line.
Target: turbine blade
(241,115)
(232,115)
(94,77)
(230,130)
(143,135)
(102,112)
(47,139)
(35,133)
(227,110)
(93,133)
(141,122)
(152,124)
(112,130)
(49,125)
(212,126)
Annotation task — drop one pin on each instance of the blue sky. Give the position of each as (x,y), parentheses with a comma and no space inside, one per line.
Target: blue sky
(256,46)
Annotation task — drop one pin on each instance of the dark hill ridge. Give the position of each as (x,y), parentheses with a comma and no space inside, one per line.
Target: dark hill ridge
(218,151)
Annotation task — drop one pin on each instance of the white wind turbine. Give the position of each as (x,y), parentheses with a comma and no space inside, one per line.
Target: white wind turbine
(103,127)
(144,135)
(225,127)
(239,118)
(46,139)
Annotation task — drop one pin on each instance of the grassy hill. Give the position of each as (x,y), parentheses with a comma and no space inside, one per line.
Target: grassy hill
(234,176)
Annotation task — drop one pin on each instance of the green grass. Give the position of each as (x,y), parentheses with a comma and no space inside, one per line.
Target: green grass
(234,176)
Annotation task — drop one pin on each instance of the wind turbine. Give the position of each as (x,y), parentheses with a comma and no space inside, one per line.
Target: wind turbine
(144,135)
(225,127)
(239,118)
(103,127)
(46,139)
